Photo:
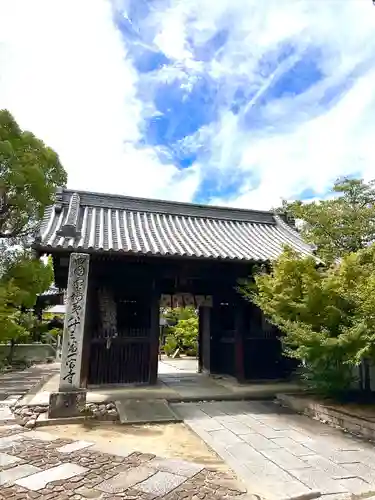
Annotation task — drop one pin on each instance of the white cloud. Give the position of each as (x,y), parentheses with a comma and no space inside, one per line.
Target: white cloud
(64,76)
(306,145)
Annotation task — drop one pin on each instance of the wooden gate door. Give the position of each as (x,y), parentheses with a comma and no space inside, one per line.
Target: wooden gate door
(125,358)
(223,338)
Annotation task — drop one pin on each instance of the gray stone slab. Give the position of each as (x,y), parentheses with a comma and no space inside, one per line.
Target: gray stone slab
(284,459)
(135,412)
(258,427)
(347,456)
(339,496)
(179,467)
(245,454)
(328,444)
(356,485)
(275,487)
(318,480)
(12,475)
(332,469)
(11,400)
(85,492)
(124,480)
(212,409)
(161,483)
(111,449)
(75,446)
(293,447)
(209,424)
(298,436)
(260,442)
(6,442)
(39,480)
(6,460)
(5,414)
(363,471)
(40,435)
(189,411)
(225,437)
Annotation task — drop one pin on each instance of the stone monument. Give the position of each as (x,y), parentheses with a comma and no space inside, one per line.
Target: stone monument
(70,400)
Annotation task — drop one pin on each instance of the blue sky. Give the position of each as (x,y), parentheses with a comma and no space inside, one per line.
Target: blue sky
(237,103)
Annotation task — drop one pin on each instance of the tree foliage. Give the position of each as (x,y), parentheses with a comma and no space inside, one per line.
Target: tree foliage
(340,224)
(30,172)
(326,311)
(182,330)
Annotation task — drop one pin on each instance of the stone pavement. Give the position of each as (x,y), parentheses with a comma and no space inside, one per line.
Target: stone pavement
(15,384)
(282,453)
(38,465)
(177,381)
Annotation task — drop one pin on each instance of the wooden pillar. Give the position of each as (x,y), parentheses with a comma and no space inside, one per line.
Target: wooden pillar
(239,342)
(205,340)
(200,340)
(74,325)
(154,336)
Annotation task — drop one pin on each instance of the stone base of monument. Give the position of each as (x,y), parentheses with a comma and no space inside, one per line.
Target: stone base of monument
(67,404)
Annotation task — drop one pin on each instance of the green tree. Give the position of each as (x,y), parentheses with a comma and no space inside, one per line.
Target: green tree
(340,224)
(325,313)
(182,330)
(30,173)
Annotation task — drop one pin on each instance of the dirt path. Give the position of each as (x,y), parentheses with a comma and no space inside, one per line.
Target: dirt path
(167,440)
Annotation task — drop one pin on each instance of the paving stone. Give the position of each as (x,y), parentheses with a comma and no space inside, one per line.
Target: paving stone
(209,424)
(189,411)
(5,442)
(39,480)
(179,467)
(334,470)
(111,449)
(125,480)
(18,472)
(275,488)
(363,471)
(160,484)
(292,446)
(133,411)
(347,456)
(260,442)
(40,435)
(356,485)
(325,445)
(212,409)
(225,437)
(284,459)
(6,460)
(75,446)
(318,480)
(339,496)
(299,437)
(237,427)
(88,492)
(11,400)
(5,414)
(245,454)
(259,428)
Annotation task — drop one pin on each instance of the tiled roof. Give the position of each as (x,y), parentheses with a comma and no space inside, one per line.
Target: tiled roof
(85,221)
